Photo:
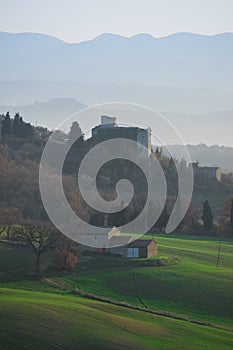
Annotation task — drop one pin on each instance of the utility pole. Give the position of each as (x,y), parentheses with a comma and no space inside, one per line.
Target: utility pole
(219,250)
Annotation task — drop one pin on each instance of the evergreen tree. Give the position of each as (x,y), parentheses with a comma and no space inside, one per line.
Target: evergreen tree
(163,219)
(207,216)
(76,134)
(159,152)
(172,164)
(183,166)
(6,126)
(17,125)
(26,129)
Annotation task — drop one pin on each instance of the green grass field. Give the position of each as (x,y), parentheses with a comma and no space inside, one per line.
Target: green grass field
(35,315)
(195,287)
(39,320)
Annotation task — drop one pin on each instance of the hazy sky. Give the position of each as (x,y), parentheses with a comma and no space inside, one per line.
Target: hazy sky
(77,20)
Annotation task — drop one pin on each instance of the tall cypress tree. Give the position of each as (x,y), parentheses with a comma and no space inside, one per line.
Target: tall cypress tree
(207,216)
(163,219)
(16,128)
(6,126)
(76,134)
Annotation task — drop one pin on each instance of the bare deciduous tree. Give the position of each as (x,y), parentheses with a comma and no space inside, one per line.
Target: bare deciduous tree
(39,238)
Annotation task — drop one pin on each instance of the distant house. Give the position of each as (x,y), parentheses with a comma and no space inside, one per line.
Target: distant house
(134,249)
(142,248)
(115,243)
(212,173)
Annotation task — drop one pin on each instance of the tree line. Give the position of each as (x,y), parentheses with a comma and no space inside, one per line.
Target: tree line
(15,127)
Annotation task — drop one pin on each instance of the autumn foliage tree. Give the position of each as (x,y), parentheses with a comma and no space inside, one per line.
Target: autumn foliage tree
(66,254)
(64,259)
(19,188)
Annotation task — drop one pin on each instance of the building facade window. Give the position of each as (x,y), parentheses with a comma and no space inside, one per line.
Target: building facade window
(133,252)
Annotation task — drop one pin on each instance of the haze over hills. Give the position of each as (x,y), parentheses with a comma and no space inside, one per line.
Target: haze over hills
(179,61)
(49,113)
(164,98)
(214,155)
(54,111)
(188,76)
(192,127)
(183,59)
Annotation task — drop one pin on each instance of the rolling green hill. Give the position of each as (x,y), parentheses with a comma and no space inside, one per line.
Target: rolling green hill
(37,320)
(38,315)
(194,287)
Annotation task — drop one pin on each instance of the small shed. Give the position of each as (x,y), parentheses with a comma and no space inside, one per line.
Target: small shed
(142,248)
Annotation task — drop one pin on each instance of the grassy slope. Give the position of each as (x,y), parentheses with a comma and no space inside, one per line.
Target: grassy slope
(36,320)
(194,287)
(14,257)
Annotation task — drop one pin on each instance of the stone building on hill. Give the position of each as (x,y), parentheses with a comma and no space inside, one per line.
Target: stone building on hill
(213,173)
(110,129)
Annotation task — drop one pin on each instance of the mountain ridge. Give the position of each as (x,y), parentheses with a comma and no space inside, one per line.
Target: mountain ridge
(109,35)
(182,59)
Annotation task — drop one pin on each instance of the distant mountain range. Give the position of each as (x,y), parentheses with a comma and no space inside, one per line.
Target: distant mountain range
(183,72)
(182,59)
(188,76)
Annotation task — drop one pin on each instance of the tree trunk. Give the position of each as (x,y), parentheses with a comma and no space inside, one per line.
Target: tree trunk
(38,266)
(8,229)
(64,268)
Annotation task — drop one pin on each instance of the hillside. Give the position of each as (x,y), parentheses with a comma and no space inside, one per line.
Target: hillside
(163,98)
(207,155)
(65,322)
(50,113)
(190,286)
(194,287)
(48,312)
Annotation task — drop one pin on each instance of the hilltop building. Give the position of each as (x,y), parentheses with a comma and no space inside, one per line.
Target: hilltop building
(110,129)
(213,173)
